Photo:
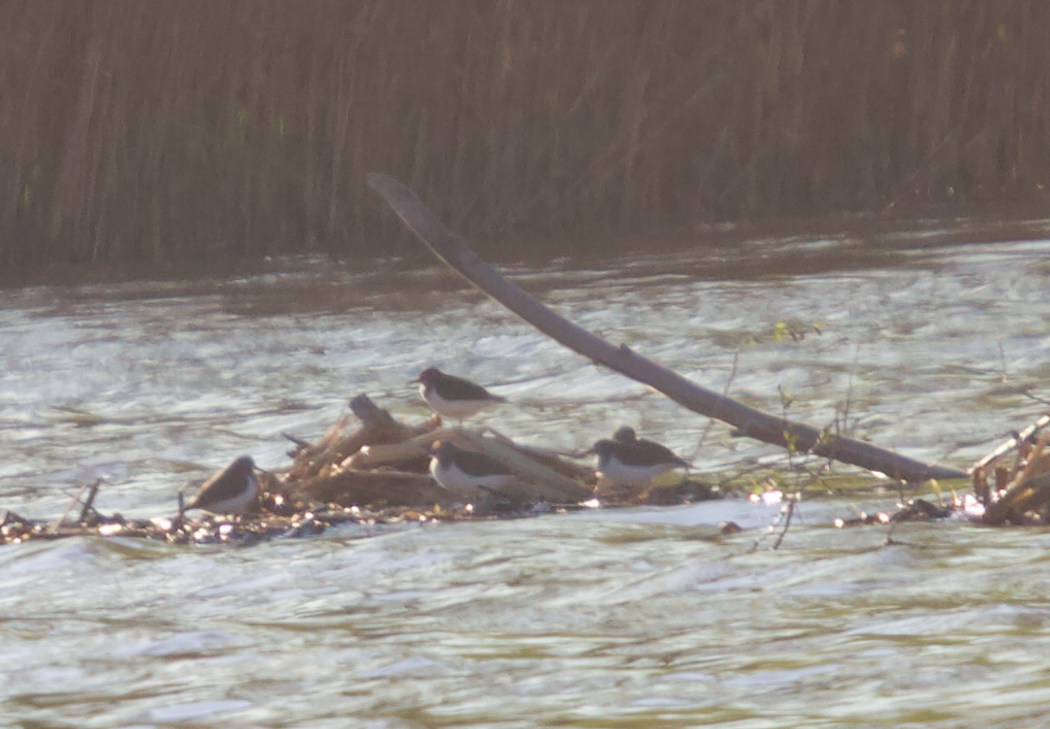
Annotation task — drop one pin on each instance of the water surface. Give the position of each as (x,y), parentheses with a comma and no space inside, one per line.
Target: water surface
(627,618)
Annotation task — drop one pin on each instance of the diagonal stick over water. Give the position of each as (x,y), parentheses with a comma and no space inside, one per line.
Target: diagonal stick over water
(454,250)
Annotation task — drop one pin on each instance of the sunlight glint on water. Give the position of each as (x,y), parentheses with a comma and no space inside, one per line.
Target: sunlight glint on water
(631,618)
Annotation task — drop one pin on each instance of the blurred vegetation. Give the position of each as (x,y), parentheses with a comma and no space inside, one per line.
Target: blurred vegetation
(138,131)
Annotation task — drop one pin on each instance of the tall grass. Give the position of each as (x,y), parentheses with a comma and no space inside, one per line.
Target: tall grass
(134,131)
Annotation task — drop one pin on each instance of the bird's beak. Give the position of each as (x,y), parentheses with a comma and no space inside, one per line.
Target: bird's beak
(415,381)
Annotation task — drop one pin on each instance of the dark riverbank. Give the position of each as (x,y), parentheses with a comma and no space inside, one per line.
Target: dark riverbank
(751,248)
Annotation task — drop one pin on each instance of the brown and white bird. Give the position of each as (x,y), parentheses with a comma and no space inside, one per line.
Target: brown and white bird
(632,461)
(466,473)
(233,490)
(453,397)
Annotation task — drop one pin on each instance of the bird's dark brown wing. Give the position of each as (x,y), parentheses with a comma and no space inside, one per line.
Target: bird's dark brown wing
(226,484)
(451,387)
(646,453)
(479,464)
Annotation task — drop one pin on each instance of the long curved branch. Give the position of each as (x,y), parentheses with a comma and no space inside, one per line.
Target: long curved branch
(454,250)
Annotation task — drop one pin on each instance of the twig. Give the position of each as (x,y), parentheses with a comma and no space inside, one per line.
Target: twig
(889,535)
(787,522)
(299,442)
(786,511)
(849,391)
(725,393)
(1039,400)
(785,403)
(90,500)
(69,507)
(1015,441)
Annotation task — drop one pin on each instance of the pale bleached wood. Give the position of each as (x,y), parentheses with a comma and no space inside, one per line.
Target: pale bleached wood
(454,250)
(1011,443)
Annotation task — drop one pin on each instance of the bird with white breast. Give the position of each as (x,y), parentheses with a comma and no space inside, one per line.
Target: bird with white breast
(628,460)
(233,490)
(453,397)
(465,474)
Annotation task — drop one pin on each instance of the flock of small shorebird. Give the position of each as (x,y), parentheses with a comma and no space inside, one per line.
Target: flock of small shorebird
(623,460)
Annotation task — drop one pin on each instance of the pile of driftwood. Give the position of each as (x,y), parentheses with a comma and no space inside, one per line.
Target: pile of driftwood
(371,470)
(1011,485)
(373,474)
(385,462)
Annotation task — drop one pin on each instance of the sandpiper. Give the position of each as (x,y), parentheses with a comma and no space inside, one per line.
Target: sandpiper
(232,490)
(632,461)
(453,397)
(466,473)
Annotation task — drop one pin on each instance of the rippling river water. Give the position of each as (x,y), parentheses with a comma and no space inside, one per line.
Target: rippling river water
(625,618)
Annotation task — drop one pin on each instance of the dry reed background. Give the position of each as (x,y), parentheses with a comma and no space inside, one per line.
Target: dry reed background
(138,131)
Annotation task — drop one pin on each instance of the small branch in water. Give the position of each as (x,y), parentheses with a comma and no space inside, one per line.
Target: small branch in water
(725,393)
(787,521)
(75,500)
(90,501)
(787,510)
(1030,396)
(889,535)
(849,392)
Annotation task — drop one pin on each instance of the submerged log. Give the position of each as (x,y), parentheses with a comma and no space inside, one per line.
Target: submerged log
(454,250)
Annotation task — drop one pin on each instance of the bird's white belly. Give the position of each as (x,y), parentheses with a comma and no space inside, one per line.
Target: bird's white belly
(616,471)
(455,409)
(454,480)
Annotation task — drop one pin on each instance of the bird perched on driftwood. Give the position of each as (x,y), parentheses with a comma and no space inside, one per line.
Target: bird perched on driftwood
(628,460)
(233,490)
(466,473)
(453,397)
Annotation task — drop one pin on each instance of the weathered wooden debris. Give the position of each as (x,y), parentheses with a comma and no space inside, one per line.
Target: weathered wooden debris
(383,462)
(1017,492)
(373,474)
